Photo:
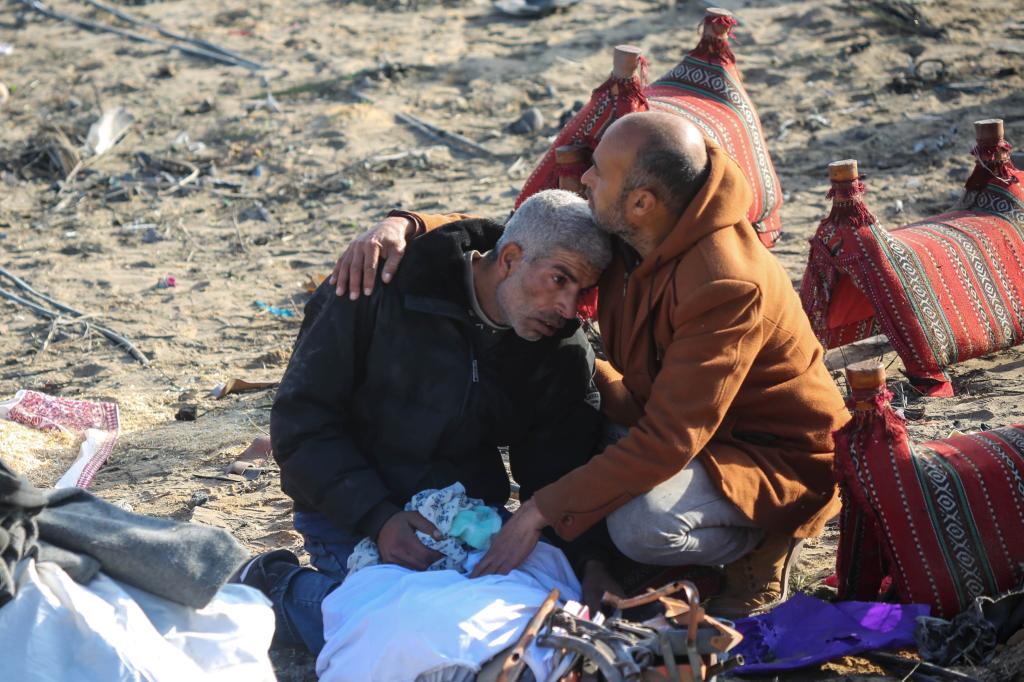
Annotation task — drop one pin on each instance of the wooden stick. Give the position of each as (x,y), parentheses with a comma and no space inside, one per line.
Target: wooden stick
(431,130)
(119,340)
(206,45)
(24,286)
(39,7)
(193,174)
(317,86)
(516,661)
(865,349)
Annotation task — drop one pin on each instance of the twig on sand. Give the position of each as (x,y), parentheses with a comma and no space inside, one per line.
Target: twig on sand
(39,7)
(920,668)
(205,45)
(238,233)
(317,86)
(193,174)
(436,132)
(54,323)
(113,336)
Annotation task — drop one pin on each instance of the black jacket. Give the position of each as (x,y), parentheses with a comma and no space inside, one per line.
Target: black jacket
(406,390)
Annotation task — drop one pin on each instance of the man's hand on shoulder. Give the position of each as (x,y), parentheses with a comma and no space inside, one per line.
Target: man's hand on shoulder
(356,269)
(398,544)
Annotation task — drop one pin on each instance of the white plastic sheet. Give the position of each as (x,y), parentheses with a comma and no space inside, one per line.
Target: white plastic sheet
(389,624)
(56,629)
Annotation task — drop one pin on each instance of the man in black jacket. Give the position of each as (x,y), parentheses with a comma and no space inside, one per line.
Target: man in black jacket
(474,346)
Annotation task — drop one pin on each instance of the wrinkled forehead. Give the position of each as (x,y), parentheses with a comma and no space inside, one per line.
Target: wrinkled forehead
(572,264)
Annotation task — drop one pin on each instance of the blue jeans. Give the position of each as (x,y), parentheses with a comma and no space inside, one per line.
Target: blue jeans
(327,545)
(299,593)
(297,597)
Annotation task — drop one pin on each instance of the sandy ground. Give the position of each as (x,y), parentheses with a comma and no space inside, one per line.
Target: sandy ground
(285,187)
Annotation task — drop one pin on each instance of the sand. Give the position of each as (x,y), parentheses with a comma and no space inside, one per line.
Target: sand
(295,181)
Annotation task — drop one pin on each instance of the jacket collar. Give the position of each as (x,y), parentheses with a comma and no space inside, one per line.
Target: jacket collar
(432,277)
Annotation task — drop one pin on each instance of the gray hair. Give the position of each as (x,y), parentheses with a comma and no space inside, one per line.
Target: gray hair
(555,220)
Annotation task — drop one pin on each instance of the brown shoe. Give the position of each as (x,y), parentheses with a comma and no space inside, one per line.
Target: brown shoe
(758,581)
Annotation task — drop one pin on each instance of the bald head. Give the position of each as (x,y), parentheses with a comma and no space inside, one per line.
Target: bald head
(668,156)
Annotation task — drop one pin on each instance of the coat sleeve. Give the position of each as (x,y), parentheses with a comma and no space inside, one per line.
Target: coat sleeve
(617,403)
(321,465)
(427,222)
(717,334)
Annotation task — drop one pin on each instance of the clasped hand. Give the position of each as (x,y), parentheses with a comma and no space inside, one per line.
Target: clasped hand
(398,544)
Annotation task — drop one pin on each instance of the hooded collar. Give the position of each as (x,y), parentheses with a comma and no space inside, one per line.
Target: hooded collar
(722,202)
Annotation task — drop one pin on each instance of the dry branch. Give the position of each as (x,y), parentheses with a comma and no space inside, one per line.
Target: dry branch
(118,340)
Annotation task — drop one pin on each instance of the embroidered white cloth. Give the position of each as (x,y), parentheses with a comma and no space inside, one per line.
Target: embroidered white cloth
(97,424)
(56,629)
(440,507)
(390,624)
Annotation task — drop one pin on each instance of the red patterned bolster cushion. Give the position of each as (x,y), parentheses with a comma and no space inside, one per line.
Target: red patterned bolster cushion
(945,289)
(948,288)
(706,90)
(612,100)
(945,518)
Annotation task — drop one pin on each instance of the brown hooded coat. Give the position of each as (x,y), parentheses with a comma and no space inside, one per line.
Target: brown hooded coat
(712,355)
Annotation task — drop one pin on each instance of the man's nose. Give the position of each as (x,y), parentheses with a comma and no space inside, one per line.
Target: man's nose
(585,178)
(566,304)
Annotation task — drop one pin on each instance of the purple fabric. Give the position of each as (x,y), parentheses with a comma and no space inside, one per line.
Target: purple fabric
(806,631)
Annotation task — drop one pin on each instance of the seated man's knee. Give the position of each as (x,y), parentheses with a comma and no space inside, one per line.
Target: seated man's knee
(643,534)
(647,533)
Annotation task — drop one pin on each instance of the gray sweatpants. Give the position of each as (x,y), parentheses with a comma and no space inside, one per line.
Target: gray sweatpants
(683,521)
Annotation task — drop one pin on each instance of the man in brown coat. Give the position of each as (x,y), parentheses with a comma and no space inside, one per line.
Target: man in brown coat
(725,408)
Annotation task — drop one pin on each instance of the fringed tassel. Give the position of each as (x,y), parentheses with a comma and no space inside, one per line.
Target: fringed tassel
(630,89)
(873,408)
(816,287)
(644,67)
(848,207)
(849,213)
(713,46)
(993,163)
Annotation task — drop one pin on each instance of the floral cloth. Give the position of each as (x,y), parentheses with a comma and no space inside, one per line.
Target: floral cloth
(440,507)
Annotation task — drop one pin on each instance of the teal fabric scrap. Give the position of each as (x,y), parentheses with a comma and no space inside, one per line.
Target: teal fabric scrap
(476,526)
(274,310)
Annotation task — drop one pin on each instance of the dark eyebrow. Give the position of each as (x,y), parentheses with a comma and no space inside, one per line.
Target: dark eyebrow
(568,273)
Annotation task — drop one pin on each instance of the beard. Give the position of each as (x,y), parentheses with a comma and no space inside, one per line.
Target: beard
(613,220)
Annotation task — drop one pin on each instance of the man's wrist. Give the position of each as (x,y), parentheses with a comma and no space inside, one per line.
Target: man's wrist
(534,514)
(413,226)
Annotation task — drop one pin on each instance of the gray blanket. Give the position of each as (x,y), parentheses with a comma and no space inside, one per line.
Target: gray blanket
(183,562)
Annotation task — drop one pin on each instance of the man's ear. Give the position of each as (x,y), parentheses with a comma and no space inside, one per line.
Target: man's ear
(640,203)
(509,258)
